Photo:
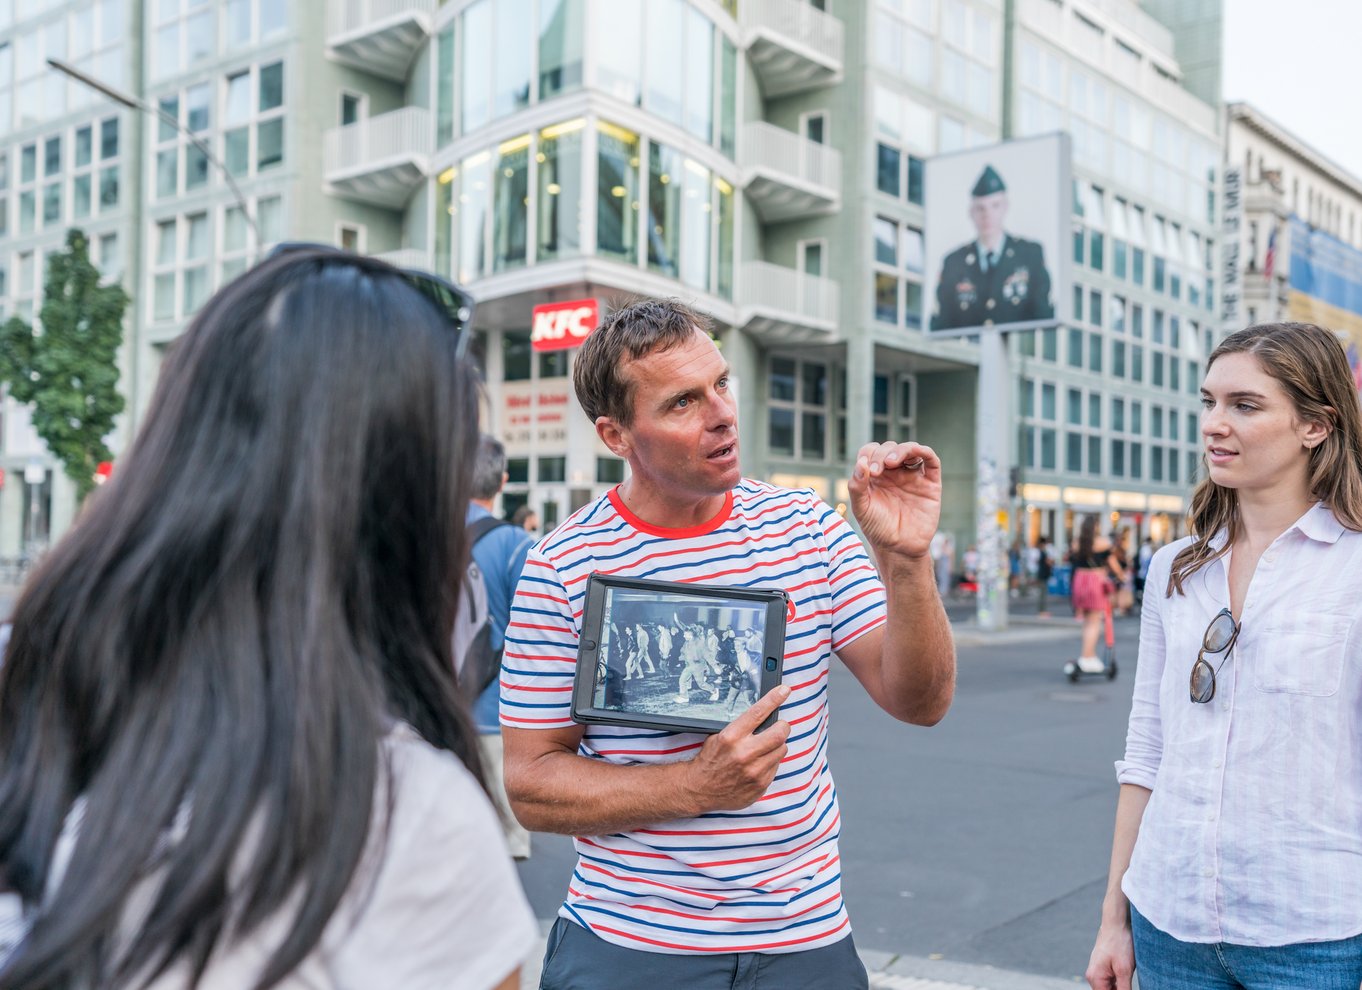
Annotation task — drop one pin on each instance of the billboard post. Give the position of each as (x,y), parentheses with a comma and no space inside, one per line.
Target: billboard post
(998,264)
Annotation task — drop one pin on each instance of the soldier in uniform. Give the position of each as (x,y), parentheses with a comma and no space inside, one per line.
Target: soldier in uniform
(996,278)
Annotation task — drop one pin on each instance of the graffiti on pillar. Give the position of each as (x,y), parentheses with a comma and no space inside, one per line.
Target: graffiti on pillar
(992,575)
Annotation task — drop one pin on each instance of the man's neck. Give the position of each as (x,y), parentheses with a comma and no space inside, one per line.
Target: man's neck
(486,503)
(995,246)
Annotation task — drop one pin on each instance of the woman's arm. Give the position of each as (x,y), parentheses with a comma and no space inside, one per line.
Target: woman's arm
(1113,957)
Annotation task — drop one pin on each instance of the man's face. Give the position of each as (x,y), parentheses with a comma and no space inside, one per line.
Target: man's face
(988,213)
(683,442)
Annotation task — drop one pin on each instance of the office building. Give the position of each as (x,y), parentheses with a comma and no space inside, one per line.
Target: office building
(761,159)
(1300,243)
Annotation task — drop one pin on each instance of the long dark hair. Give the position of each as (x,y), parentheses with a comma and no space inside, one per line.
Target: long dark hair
(1312,368)
(217,647)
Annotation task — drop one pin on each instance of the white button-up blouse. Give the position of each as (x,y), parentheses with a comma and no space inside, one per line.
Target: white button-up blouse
(1253,832)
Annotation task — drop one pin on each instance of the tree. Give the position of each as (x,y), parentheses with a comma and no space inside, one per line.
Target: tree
(67,370)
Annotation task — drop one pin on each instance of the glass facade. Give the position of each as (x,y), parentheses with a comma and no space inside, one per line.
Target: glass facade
(679,207)
(665,56)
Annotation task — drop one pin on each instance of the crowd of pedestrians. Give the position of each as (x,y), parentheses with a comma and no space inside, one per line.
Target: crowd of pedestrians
(238,749)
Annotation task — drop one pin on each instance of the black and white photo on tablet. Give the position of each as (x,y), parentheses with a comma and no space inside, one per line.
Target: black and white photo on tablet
(694,658)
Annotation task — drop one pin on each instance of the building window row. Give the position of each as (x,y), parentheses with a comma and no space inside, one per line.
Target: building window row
(240,113)
(90,36)
(70,176)
(1111,128)
(186,248)
(186,33)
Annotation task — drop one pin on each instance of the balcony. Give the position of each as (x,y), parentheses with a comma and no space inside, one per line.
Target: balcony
(379,36)
(788,176)
(783,306)
(406,258)
(792,45)
(381,159)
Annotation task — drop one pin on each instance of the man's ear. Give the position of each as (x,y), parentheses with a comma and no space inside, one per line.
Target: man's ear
(614,436)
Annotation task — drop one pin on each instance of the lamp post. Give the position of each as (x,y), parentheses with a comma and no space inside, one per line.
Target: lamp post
(134,103)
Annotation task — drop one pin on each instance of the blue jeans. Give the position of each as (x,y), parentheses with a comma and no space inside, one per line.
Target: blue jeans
(1166,963)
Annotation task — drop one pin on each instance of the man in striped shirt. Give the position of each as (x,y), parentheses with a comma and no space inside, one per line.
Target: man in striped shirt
(712,861)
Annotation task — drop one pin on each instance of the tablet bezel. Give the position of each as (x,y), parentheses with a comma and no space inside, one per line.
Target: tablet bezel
(598,588)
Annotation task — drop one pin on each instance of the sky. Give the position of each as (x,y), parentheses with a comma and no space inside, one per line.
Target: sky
(1298,62)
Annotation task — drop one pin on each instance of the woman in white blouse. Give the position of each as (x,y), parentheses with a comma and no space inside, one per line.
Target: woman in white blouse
(231,751)
(1237,859)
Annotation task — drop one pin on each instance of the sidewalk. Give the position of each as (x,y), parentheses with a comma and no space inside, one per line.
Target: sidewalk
(890,972)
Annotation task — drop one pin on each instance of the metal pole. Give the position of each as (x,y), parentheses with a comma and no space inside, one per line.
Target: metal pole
(135,103)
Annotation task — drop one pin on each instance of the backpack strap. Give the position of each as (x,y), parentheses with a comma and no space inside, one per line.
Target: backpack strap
(483,525)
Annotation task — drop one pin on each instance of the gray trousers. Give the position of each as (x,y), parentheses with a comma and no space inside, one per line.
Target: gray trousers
(575,959)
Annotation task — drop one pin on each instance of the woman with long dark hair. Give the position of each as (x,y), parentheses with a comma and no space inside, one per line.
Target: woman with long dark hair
(1237,859)
(231,750)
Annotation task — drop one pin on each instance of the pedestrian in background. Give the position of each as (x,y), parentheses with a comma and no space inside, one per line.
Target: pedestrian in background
(527,519)
(1092,585)
(1123,601)
(231,750)
(1142,567)
(1237,858)
(499,550)
(1045,569)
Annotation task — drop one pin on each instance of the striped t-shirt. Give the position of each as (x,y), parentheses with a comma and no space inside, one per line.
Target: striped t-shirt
(764,879)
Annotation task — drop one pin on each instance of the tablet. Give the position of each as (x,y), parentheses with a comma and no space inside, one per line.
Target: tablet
(674,656)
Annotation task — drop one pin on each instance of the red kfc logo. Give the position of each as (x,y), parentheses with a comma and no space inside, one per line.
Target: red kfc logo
(557,326)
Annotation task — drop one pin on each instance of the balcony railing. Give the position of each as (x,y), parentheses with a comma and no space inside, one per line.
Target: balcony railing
(379,36)
(793,45)
(787,305)
(406,258)
(380,159)
(789,176)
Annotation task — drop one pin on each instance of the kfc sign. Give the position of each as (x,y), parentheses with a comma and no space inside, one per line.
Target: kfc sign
(557,326)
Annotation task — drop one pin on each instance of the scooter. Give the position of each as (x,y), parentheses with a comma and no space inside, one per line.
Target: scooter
(1073,671)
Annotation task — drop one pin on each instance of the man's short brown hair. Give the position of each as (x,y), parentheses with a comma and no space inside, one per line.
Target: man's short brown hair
(628,333)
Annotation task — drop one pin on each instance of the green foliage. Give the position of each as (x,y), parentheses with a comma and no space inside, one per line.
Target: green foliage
(67,370)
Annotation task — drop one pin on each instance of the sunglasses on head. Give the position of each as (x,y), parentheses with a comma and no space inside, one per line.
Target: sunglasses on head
(1219,638)
(448,298)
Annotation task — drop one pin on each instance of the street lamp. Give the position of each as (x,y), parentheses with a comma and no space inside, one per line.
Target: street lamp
(134,103)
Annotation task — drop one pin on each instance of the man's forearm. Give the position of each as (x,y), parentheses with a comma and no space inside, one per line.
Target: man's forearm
(917,663)
(573,795)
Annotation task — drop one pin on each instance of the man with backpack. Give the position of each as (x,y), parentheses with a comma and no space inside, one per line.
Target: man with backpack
(498,555)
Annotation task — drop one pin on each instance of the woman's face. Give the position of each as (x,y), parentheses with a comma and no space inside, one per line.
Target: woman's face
(1253,438)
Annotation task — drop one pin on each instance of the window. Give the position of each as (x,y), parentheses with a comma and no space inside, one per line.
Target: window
(183,35)
(898,253)
(350,237)
(799,396)
(609,470)
(559,191)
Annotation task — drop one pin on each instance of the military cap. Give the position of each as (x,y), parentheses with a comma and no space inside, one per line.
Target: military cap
(990,182)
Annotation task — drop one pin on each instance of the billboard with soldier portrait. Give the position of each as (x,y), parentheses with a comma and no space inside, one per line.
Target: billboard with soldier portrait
(998,220)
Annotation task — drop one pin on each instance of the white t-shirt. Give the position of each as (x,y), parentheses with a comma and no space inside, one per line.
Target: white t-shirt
(442,909)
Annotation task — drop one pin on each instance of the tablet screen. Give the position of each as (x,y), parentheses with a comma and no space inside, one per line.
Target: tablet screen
(675,655)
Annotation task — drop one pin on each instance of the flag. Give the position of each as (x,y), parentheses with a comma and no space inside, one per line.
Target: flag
(1271,259)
